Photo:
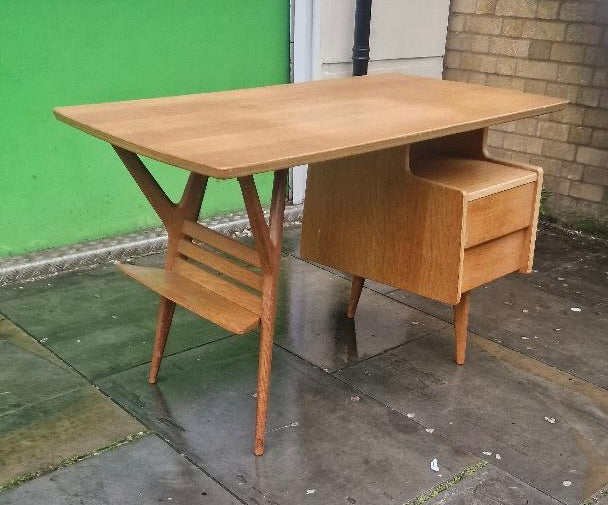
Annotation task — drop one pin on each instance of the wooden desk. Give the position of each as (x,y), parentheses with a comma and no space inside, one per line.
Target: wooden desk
(235,134)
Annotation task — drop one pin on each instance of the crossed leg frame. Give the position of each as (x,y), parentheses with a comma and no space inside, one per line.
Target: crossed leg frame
(267,238)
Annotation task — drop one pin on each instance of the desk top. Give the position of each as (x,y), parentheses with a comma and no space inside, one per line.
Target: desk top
(232,133)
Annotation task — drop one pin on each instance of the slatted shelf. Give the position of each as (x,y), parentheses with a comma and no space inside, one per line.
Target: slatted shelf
(203,302)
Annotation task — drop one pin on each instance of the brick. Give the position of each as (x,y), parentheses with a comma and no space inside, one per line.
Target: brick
(597,118)
(503,154)
(574,74)
(520,157)
(465,6)
(516,8)
(469,42)
(567,91)
(522,143)
(527,126)
(571,53)
(562,203)
(594,175)
(578,11)
(544,30)
(553,131)
(456,22)
(509,46)
(547,9)
(506,81)
(556,185)
(506,127)
(597,56)
(537,70)
(572,114)
(589,96)
(604,99)
(485,24)
(506,66)
(512,27)
(534,86)
(477,77)
(584,33)
(600,78)
(478,62)
(592,209)
(592,156)
(486,6)
(559,150)
(602,14)
(586,191)
(452,74)
(571,171)
(540,50)
(600,139)
(580,135)
(495,138)
(452,59)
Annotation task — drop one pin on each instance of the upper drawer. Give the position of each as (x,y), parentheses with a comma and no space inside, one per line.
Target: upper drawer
(499,214)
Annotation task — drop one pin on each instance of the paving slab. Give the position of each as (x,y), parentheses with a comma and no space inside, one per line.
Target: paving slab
(492,486)
(535,322)
(546,426)
(29,373)
(312,322)
(100,321)
(142,472)
(36,437)
(325,445)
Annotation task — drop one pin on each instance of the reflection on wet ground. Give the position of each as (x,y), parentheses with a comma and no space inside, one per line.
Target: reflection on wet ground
(359,408)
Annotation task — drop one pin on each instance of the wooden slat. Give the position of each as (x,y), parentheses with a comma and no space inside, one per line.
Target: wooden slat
(491,260)
(220,264)
(195,298)
(218,285)
(500,214)
(221,242)
(242,132)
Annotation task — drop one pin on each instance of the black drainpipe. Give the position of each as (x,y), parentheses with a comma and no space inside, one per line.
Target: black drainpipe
(363,16)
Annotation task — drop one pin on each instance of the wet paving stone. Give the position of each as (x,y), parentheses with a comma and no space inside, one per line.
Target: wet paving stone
(99,320)
(325,444)
(38,436)
(29,373)
(312,322)
(142,472)
(535,322)
(492,486)
(546,426)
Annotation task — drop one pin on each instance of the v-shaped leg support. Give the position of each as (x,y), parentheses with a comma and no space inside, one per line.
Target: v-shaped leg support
(268,242)
(184,234)
(173,217)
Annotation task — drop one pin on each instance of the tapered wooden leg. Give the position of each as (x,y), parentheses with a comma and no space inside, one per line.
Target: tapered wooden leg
(461,320)
(163,324)
(173,217)
(268,243)
(355,293)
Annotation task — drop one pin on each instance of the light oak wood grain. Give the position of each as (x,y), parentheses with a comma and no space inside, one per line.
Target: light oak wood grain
(194,297)
(500,214)
(241,132)
(368,215)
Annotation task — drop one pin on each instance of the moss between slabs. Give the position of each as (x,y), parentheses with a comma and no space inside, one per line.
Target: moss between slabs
(24,477)
(440,488)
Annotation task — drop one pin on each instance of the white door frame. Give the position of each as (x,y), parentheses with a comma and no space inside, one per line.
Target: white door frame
(306,65)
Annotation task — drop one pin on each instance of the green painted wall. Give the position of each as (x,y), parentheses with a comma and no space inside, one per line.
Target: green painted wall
(59,186)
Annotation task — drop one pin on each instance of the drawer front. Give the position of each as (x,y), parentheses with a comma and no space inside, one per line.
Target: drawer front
(499,214)
(491,260)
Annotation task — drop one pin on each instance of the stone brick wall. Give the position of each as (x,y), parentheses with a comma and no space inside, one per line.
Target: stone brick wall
(552,47)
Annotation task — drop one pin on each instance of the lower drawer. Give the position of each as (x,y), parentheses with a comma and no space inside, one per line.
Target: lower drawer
(499,214)
(491,260)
